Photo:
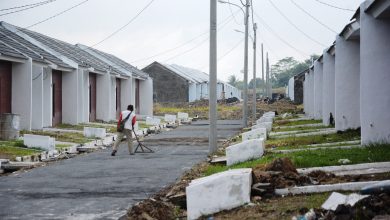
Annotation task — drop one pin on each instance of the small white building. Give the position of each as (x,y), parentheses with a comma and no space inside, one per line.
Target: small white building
(328,86)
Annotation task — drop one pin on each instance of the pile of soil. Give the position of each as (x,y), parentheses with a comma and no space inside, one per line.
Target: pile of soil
(151,209)
(367,208)
(281,164)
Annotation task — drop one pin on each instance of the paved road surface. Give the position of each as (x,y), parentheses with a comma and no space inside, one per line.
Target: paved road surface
(98,186)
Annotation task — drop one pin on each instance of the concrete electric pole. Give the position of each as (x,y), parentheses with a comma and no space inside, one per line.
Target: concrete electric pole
(254,73)
(213,78)
(262,69)
(245,106)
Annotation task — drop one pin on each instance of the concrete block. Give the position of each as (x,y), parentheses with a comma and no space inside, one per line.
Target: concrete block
(37,141)
(265,119)
(152,121)
(170,118)
(247,150)
(221,191)
(267,125)
(255,134)
(182,116)
(90,132)
(336,199)
(269,114)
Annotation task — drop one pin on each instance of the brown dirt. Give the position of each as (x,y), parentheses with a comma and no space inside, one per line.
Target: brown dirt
(151,209)
(281,106)
(281,164)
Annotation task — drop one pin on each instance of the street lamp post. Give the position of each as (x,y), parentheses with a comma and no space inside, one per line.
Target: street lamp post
(246,18)
(213,78)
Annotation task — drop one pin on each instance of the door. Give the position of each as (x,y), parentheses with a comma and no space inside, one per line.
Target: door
(137,104)
(5,86)
(92,97)
(118,98)
(57,97)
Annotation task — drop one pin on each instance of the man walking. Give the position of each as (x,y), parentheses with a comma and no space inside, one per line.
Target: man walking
(125,127)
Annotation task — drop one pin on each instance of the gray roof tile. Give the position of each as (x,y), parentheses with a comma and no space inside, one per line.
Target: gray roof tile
(8,51)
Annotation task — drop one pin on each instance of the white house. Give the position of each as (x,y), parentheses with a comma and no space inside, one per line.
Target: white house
(62,83)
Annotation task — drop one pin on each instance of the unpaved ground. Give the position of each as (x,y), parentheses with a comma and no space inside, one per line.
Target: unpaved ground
(98,186)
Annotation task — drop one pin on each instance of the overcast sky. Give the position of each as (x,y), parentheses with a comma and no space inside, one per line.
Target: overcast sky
(167,24)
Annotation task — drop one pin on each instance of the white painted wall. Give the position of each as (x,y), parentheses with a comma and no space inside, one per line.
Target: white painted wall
(191,92)
(85,94)
(70,96)
(146,97)
(205,91)
(310,93)
(374,78)
(305,89)
(37,97)
(132,97)
(290,89)
(112,107)
(103,97)
(317,90)
(47,98)
(328,88)
(198,91)
(126,86)
(347,84)
(22,92)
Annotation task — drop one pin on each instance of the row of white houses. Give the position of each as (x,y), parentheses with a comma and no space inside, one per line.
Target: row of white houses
(175,83)
(351,80)
(47,81)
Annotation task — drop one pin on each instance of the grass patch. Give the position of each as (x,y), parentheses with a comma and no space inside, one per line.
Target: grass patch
(80,127)
(319,146)
(303,128)
(61,146)
(61,136)
(142,125)
(349,135)
(12,149)
(316,158)
(293,123)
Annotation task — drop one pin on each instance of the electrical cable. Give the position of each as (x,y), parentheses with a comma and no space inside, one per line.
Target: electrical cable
(24,9)
(314,18)
(278,36)
(295,26)
(231,12)
(121,28)
(23,6)
(333,6)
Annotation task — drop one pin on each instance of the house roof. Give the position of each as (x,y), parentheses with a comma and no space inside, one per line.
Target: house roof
(72,52)
(27,48)
(10,52)
(115,62)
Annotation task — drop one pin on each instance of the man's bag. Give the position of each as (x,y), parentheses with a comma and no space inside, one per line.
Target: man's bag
(121,125)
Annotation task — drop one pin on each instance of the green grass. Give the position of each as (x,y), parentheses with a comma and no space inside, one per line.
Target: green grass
(12,149)
(293,123)
(224,111)
(142,125)
(61,146)
(62,136)
(315,158)
(307,146)
(80,127)
(349,135)
(303,128)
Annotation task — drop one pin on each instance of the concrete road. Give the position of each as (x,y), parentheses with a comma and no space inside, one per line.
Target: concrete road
(98,186)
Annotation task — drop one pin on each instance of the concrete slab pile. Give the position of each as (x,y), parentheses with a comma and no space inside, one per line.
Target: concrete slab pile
(247,150)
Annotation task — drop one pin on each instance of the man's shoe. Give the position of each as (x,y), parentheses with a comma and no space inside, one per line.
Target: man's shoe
(113,153)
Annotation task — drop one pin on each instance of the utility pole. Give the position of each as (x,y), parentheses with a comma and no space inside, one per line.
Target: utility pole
(262,69)
(254,73)
(213,78)
(267,75)
(245,107)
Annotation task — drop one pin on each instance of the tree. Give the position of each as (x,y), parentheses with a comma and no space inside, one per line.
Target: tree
(232,80)
(259,83)
(287,67)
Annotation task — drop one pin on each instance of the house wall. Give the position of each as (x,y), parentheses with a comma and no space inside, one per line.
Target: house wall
(298,90)
(126,93)
(146,97)
(328,88)
(22,92)
(70,97)
(112,105)
(310,94)
(37,97)
(318,90)
(192,92)
(305,91)
(374,78)
(83,100)
(103,97)
(198,91)
(291,88)
(168,86)
(347,84)
(47,98)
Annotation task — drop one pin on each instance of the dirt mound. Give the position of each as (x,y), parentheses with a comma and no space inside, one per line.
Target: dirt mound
(367,208)
(281,164)
(321,176)
(151,209)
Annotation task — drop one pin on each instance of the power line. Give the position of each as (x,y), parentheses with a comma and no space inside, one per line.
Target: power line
(222,23)
(23,6)
(56,15)
(121,28)
(314,18)
(295,26)
(231,12)
(333,6)
(278,36)
(24,9)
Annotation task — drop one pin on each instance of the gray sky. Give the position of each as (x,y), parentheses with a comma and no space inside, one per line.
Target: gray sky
(167,24)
